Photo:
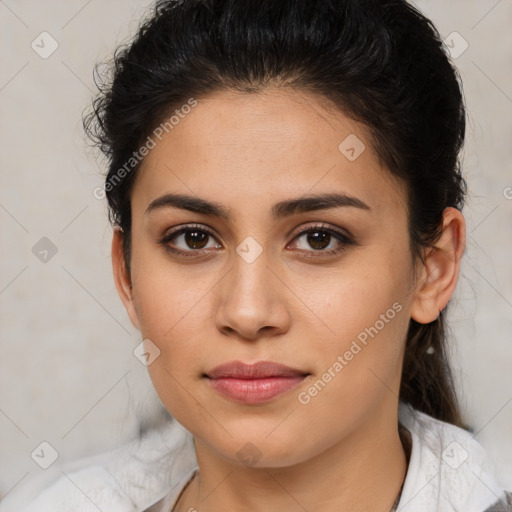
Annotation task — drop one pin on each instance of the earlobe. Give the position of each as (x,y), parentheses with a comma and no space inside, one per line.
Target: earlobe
(440,271)
(122,278)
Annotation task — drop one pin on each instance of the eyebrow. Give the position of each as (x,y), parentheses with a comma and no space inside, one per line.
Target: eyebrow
(279,210)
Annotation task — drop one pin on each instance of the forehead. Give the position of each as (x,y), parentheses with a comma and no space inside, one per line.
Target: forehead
(277,144)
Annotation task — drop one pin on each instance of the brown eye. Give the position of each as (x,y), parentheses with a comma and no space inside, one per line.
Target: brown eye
(196,239)
(188,240)
(322,240)
(318,239)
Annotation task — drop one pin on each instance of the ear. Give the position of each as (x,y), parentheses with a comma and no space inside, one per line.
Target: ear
(122,278)
(440,271)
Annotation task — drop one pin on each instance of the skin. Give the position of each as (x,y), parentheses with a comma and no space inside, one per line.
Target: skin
(341,450)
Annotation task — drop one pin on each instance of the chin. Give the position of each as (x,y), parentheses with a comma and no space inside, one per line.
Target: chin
(260,450)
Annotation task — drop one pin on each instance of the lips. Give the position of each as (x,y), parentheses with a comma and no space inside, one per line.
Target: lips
(254,383)
(259,370)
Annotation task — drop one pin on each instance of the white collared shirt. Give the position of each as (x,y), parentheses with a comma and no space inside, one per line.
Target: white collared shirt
(448,471)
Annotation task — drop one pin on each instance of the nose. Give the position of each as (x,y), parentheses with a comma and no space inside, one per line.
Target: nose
(251,301)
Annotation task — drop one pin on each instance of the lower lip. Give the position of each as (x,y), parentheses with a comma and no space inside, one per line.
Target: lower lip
(254,391)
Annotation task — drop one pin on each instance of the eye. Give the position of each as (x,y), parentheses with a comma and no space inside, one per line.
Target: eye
(191,240)
(188,240)
(323,240)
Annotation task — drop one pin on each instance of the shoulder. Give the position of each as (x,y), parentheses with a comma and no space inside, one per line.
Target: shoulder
(449,470)
(502,505)
(85,489)
(128,479)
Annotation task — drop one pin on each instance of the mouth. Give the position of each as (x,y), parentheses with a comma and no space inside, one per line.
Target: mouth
(254,383)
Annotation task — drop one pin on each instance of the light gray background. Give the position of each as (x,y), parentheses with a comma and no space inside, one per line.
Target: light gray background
(68,375)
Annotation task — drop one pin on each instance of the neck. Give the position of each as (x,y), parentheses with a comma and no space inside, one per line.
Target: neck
(364,471)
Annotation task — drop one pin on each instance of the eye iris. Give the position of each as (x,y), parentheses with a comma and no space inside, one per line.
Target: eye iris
(319,239)
(196,239)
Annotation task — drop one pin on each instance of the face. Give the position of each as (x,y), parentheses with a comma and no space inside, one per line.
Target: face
(257,272)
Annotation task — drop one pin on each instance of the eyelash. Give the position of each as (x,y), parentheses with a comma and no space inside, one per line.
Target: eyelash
(344,239)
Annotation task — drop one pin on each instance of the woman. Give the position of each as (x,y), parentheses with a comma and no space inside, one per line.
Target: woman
(286,197)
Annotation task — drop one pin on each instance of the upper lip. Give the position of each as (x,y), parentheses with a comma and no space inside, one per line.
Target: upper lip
(259,370)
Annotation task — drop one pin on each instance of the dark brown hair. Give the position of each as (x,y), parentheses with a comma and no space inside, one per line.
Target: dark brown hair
(381,62)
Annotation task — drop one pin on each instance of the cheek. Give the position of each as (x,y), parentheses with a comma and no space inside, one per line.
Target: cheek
(358,358)
(369,329)
(169,318)
(364,319)
(353,297)
(164,294)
